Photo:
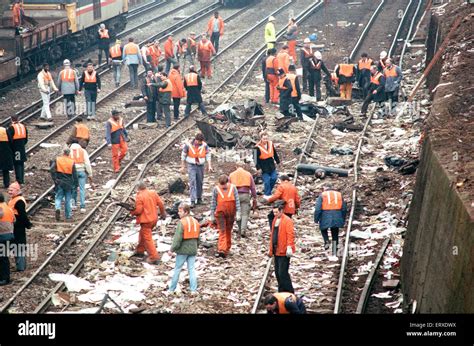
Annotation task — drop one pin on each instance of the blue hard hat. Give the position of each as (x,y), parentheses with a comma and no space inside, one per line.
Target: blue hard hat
(313,37)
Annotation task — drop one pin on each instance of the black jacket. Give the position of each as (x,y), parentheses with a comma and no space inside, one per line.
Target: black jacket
(66,181)
(193,92)
(164,97)
(150,91)
(6,154)
(315,67)
(380,96)
(267,165)
(89,86)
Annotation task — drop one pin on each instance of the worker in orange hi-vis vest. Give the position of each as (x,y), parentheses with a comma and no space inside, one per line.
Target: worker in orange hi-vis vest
(215,29)
(103,37)
(7,219)
(347,75)
(84,172)
(205,51)
(90,81)
(225,209)
(80,134)
(19,134)
(185,245)
(116,55)
(63,172)
(284,303)
(330,213)
(132,57)
(116,137)
(17,10)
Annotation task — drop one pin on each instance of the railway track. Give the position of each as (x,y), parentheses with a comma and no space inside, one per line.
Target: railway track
(145,8)
(319,137)
(33,110)
(78,229)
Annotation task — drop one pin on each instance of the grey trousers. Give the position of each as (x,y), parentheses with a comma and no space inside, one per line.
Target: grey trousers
(196,180)
(244,211)
(160,109)
(133,69)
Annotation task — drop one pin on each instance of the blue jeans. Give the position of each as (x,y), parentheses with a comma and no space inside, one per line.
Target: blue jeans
(269,181)
(60,194)
(180,259)
(82,178)
(196,180)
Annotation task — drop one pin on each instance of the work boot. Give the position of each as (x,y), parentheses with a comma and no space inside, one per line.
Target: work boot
(326,245)
(199,201)
(334,248)
(138,254)
(154,262)
(243,234)
(4,282)
(58,214)
(193,204)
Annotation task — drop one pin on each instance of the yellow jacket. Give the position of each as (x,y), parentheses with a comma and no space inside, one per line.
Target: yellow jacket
(270,35)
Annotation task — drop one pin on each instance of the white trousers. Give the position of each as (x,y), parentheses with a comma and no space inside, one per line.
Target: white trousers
(45,111)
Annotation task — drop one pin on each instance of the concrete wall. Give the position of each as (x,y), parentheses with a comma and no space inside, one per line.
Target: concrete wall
(438,258)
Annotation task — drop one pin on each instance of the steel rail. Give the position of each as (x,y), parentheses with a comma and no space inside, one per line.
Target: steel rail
(362,37)
(399,29)
(340,286)
(33,205)
(307,12)
(181,25)
(137,11)
(100,69)
(407,39)
(77,229)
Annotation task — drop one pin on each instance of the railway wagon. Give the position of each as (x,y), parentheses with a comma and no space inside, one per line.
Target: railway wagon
(54,29)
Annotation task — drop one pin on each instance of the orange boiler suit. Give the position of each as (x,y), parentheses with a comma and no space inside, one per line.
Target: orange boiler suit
(146,203)
(271,72)
(205,51)
(224,206)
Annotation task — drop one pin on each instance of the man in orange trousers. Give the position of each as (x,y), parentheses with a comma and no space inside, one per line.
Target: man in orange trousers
(225,209)
(146,211)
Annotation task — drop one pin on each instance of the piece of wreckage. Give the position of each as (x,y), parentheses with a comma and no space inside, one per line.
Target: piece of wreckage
(220,128)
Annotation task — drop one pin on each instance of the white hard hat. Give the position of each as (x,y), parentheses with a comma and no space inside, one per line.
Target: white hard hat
(102,26)
(318,55)
(271,19)
(383,54)
(66,62)
(307,40)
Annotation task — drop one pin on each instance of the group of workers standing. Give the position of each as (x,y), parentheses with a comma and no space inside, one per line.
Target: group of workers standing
(379,81)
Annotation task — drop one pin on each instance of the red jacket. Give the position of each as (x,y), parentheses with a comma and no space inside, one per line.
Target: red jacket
(289,193)
(286,236)
(146,204)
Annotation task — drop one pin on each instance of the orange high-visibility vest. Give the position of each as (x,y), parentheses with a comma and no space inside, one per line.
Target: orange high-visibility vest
(78,155)
(265,152)
(292,78)
(47,76)
(116,125)
(67,75)
(364,64)
(13,201)
(197,154)
(240,178)
(20,131)
(281,297)
(82,131)
(270,65)
(90,78)
(346,70)
(191,227)
(8,215)
(131,48)
(181,48)
(64,164)
(115,51)
(168,88)
(390,72)
(332,200)
(104,33)
(205,46)
(3,135)
(225,197)
(376,79)
(283,59)
(191,79)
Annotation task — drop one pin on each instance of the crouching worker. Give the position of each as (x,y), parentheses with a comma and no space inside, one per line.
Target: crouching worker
(185,244)
(284,303)
(146,203)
